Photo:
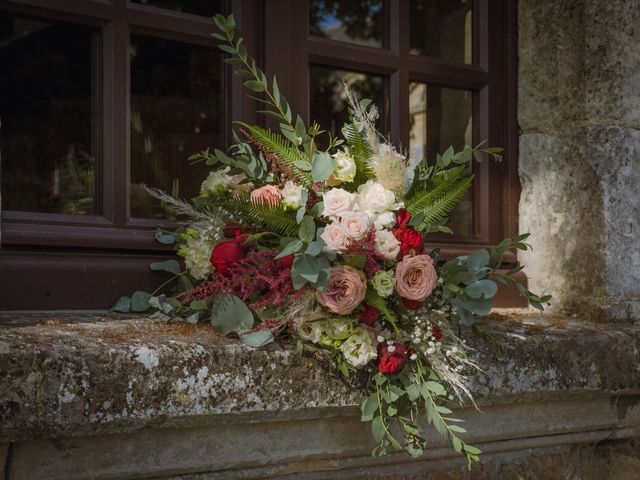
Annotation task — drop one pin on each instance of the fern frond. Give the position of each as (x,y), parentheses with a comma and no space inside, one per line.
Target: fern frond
(436,209)
(433,189)
(280,147)
(361,152)
(379,303)
(275,219)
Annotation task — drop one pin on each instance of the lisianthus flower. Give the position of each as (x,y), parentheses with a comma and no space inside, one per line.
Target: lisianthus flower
(219,181)
(358,349)
(310,331)
(345,170)
(345,291)
(415,277)
(387,245)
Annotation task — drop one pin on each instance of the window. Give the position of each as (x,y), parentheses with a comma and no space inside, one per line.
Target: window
(101,97)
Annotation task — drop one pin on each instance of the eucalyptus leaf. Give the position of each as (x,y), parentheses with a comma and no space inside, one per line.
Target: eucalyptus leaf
(307,267)
(322,167)
(140,301)
(171,266)
(369,408)
(122,305)
(377,429)
(482,288)
(478,260)
(230,314)
(307,229)
(257,339)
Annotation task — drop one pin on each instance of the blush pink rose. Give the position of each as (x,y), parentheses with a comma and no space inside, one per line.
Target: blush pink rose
(334,238)
(355,225)
(346,290)
(415,277)
(268,194)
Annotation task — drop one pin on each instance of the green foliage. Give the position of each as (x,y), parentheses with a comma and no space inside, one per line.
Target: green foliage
(360,151)
(379,303)
(229,314)
(257,339)
(171,266)
(276,219)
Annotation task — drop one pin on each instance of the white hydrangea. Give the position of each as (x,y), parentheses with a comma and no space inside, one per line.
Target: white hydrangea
(196,250)
(292,195)
(345,170)
(358,349)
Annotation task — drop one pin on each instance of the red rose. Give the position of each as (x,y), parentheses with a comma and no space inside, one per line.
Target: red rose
(410,239)
(436,332)
(392,362)
(233,230)
(225,254)
(402,217)
(286,262)
(369,316)
(412,304)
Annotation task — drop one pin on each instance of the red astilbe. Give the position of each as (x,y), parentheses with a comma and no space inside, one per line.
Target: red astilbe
(367,248)
(258,277)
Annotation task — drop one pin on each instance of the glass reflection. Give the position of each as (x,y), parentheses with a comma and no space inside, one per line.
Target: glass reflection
(438,118)
(46,111)
(176,110)
(206,8)
(441,29)
(358,21)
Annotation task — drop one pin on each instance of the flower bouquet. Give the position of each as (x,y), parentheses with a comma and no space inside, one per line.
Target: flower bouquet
(324,247)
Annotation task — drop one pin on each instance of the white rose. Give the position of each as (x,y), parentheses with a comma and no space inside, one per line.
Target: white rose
(338,202)
(358,349)
(345,170)
(355,225)
(292,195)
(387,245)
(374,198)
(310,331)
(334,238)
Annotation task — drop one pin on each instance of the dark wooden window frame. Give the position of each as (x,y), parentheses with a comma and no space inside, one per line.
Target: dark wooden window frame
(277,31)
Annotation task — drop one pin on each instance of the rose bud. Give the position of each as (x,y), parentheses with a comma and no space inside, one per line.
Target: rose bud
(392,361)
(224,255)
(368,316)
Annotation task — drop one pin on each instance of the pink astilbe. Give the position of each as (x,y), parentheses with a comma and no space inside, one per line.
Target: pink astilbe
(258,277)
(367,248)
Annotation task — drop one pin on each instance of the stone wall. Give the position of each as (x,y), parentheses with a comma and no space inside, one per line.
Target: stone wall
(102,397)
(579,113)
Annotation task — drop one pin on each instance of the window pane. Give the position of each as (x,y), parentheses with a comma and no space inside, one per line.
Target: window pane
(441,29)
(206,8)
(358,21)
(176,110)
(438,118)
(46,102)
(329,101)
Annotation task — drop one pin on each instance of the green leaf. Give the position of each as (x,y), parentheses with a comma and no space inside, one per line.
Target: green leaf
(307,267)
(171,266)
(472,450)
(457,444)
(413,391)
(314,248)
(322,167)
(435,387)
(230,314)
(377,429)
(140,301)
(257,339)
(457,429)
(369,407)
(122,305)
(293,247)
(166,238)
(198,305)
(307,229)
(478,260)
(255,86)
(482,288)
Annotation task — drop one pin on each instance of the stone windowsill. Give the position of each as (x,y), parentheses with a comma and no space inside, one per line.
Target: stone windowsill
(88,396)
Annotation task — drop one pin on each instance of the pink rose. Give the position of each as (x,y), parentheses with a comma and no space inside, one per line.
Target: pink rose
(334,238)
(355,225)
(337,202)
(346,290)
(268,194)
(415,277)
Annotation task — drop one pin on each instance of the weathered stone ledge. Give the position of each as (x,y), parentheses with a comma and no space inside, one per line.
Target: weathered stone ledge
(62,378)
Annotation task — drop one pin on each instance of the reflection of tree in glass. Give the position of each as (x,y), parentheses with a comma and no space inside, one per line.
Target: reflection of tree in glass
(328,96)
(350,21)
(73,183)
